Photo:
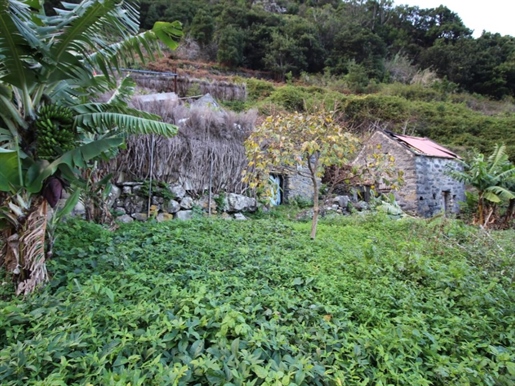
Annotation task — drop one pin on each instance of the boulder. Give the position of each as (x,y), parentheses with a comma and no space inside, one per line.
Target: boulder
(203,202)
(172,207)
(134,204)
(125,219)
(127,190)
(113,196)
(239,203)
(156,200)
(184,215)
(187,202)
(140,216)
(342,201)
(361,205)
(177,191)
(79,209)
(164,217)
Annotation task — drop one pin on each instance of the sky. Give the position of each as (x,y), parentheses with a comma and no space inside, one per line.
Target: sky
(490,15)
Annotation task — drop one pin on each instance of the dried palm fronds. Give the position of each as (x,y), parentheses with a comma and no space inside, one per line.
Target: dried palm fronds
(209,142)
(24,232)
(32,242)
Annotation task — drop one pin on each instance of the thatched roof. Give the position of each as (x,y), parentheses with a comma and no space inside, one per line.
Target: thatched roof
(209,139)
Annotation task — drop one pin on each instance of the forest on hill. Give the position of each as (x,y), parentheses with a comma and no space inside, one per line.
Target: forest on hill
(376,39)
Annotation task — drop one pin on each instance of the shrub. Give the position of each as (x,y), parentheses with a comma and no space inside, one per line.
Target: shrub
(372,301)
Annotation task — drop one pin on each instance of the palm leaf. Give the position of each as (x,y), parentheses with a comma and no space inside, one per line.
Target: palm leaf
(9,170)
(77,157)
(496,194)
(16,36)
(125,123)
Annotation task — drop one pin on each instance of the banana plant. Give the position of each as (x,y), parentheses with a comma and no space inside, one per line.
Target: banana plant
(51,69)
(492,176)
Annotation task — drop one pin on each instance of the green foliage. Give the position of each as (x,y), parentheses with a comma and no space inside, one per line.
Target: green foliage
(258,89)
(494,179)
(159,189)
(52,67)
(372,301)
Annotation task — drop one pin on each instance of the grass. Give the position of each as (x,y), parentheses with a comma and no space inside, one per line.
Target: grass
(213,302)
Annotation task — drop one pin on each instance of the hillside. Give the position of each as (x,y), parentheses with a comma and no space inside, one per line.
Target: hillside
(427,106)
(376,39)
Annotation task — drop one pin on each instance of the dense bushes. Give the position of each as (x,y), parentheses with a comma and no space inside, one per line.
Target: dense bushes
(214,302)
(460,121)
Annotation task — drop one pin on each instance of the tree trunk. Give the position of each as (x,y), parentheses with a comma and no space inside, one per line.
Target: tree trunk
(510,212)
(24,251)
(316,209)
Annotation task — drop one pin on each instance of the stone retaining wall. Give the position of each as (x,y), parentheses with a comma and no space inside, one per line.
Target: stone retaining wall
(129,201)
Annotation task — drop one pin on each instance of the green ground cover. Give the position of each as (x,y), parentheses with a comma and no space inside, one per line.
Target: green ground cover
(212,302)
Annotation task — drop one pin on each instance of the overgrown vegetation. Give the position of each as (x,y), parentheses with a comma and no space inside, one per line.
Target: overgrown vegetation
(372,301)
(364,42)
(461,121)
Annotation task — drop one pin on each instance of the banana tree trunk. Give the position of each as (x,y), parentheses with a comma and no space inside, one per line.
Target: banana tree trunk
(510,212)
(23,252)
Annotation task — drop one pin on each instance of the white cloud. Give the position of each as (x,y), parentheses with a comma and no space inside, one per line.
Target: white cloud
(492,16)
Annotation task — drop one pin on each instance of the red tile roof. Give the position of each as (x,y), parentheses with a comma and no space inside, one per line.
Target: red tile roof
(425,146)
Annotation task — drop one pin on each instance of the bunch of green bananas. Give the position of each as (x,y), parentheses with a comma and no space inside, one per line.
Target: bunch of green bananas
(55,134)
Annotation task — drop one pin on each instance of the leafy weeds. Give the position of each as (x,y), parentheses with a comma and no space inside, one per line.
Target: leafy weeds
(215,302)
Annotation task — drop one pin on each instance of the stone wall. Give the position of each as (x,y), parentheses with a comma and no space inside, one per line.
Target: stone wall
(129,201)
(437,192)
(297,185)
(406,196)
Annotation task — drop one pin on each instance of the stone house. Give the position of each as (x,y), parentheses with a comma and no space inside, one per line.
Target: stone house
(292,184)
(428,188)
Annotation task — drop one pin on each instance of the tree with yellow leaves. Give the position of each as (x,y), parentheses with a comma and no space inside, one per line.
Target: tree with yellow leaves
(296,139)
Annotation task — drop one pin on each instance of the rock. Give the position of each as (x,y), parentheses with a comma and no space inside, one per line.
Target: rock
(120,211)
(184,215)
(79,209)
(178,191)
(239,216)
(238,203)
(157,200)
(226,216)
(134,204)
(164,217)
(361,205)
(136,189)
(203,203)
(343,201)
(113,196)
(187,202)
(127,190)
(125,219)
(172,207)
(140,216)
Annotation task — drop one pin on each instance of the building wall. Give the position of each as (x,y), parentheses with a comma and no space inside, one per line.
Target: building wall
(297,184)
(406,196)
(437,192)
